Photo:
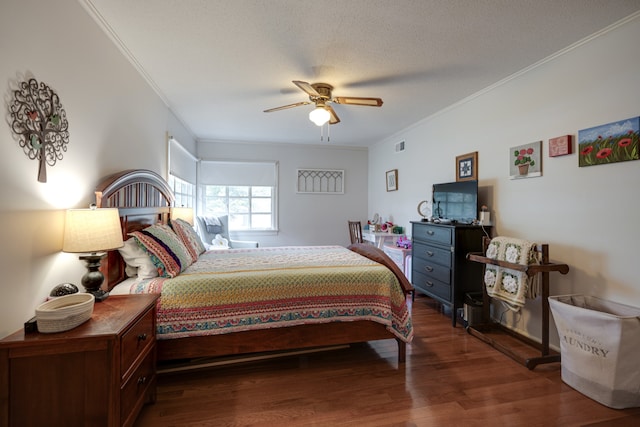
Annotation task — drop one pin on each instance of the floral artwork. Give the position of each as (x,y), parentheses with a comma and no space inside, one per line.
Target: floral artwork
(525,160)
(610,143)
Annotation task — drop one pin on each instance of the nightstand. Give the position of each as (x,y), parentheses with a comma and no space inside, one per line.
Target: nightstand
(97,374)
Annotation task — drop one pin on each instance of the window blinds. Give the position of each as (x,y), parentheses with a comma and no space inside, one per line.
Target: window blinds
(182,163)
(213,172)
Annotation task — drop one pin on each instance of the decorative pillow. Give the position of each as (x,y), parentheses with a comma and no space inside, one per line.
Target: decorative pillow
(167,251)
(189,237)
(138,262)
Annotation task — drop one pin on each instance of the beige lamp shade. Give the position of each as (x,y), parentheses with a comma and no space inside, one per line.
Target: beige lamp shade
(92,230)
(185,214)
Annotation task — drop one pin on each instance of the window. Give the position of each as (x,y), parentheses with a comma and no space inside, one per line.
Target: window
(182,174)
(184,192)
(245,191)
(248,207)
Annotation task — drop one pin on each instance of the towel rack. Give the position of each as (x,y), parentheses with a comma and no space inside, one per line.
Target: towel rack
(488,327)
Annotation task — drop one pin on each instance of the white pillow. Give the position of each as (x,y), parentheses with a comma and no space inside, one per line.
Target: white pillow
(136,258)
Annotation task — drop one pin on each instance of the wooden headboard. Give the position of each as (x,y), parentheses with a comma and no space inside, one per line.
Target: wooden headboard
(143,198)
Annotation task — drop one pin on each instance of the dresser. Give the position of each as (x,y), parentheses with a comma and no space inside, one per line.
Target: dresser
(97,374)
(439,266)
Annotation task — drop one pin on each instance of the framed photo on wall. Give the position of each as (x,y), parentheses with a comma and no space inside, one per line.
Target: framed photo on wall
(392,180)
(467,167)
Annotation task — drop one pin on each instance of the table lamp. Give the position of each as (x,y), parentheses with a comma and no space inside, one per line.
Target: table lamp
(185,214)
(92,231)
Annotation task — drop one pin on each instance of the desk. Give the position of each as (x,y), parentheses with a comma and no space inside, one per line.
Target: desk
(380,238)
(402,258)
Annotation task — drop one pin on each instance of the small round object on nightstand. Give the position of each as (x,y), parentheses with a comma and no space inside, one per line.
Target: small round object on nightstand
(64,289)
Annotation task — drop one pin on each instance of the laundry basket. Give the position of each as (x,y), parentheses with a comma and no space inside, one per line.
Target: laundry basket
(599,347)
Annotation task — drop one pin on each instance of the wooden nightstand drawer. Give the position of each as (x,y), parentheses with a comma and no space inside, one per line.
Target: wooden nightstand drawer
(431,254)
(432,233)
(136,340)
(135,389)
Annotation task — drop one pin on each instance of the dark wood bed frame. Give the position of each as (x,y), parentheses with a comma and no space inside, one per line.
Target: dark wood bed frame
(143,199)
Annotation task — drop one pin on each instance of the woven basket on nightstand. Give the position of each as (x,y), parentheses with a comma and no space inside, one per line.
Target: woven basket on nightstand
(64,313)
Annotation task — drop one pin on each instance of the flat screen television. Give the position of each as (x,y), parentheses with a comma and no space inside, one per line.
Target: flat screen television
(456,201)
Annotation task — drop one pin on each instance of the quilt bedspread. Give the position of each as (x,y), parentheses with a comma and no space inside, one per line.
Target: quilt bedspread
(247,289)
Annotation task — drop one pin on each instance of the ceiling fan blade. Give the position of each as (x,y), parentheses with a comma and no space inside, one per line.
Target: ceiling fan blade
(334,117)
(349,100)
(307,88)
(284,107)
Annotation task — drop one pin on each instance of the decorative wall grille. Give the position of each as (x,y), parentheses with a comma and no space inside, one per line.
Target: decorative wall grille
(320,181)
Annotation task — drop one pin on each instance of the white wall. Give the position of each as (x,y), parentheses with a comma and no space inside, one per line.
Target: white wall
(116,122)
(587,215)
(304,219)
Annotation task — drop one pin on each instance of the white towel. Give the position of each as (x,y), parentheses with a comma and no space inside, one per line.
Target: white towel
(508,285)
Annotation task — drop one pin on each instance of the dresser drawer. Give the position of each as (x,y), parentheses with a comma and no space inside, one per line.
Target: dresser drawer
(431,254)
(433,233)
(134,390)
(431,269)
(135,340)
(433,287)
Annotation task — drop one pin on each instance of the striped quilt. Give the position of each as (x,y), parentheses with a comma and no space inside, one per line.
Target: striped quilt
(247,289)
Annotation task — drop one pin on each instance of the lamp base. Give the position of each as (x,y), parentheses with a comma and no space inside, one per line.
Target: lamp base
(93,278)
(99,294)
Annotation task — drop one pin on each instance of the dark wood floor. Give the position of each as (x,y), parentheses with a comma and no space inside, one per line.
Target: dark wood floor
(449,379)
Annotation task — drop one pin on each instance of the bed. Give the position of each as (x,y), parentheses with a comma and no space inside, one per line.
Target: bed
(254,300)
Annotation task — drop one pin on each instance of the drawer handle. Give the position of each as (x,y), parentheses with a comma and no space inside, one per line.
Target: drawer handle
(430,232)
(142,337)
(428,268)
(429,284)
(429,253)
(142,380)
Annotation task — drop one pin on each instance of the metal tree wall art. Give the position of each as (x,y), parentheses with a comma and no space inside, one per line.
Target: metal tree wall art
(40,124)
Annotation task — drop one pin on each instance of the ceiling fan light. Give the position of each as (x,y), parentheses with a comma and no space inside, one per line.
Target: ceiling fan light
(319,116)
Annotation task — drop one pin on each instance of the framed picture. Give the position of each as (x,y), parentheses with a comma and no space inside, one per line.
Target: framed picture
(560,146)
(525,160)
(392,180)
(467,167)
(611,143)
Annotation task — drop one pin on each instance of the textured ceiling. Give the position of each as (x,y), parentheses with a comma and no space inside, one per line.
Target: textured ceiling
(219,63)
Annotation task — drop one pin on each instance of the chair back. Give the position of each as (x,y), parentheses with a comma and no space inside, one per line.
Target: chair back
(355,232)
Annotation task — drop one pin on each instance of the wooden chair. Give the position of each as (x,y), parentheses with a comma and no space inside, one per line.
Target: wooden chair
(355,232)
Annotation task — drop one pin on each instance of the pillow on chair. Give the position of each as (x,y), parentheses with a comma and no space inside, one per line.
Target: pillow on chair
(206,223)
(210,226)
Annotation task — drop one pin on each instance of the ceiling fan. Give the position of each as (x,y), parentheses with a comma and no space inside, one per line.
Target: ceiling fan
(320,95)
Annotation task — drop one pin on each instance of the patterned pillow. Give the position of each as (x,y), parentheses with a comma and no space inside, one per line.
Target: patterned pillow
(138,262)
(189,237)
(165,248)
